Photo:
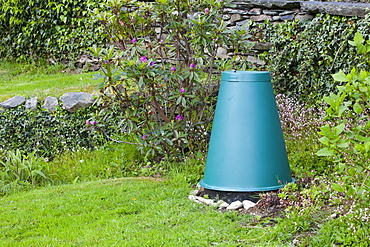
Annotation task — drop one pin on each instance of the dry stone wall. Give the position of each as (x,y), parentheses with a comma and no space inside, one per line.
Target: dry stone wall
(239,13)
(69,101)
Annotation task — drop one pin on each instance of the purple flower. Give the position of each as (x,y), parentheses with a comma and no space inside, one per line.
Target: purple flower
(173,68)
(145,136)
(106,61)
(192,65)
(206,10)
(143,59)
(133,40)
(182,90)
(152,63)
(93,122)
(179,118)
(87,122)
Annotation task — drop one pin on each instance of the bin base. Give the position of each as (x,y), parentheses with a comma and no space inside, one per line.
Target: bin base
(230,197)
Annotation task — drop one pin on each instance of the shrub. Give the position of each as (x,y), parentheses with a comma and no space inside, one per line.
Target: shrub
(162,73)
(47,133)
(346,137)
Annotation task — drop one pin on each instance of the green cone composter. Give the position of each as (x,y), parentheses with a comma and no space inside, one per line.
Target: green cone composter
(247,151)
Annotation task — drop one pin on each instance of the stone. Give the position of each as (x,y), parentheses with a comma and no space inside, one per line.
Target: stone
(82,61)
(258,18)
(304,17)
(263,46)
(248,204)
(268,12)
(270,4)
(223,205)
(241,23)
(336,8)
(31,104)
(287,13)
(76,100)
(194,192)
(205,201)
(50,103)
(255,60)
(233,11)
(192,198)
(13,102)
(287,17)
(222,52)
(235,17)
(235,205)
(276,18)
(255,11)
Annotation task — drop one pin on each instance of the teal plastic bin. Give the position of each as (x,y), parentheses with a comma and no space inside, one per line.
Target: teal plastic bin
(247,150)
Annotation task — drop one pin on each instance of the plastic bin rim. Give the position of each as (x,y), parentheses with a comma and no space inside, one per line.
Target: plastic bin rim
(246,76)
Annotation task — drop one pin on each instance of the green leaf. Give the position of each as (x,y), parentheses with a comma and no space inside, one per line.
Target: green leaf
(357,108)
(325,152)
(340,76)
(339,129)
(343,145)
(326,131)
(324,140)
(183,102)
(178,101)
(358,39)
(351,171)
(337,187)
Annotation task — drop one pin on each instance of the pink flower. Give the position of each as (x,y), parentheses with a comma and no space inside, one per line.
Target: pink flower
(145,136)
(173,68)
(87,122)
(133,40)
(192,65)
(143,59)
(206,10)
(179,118)
(182,90)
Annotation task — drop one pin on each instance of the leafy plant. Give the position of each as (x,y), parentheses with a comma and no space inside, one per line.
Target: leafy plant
(161,75)
(346,136)
(21,171)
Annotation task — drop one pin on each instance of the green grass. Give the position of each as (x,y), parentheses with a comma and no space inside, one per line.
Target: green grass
(117,212)
(90,204)
(41,81)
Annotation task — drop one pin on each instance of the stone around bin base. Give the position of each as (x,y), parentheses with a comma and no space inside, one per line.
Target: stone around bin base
(230,197)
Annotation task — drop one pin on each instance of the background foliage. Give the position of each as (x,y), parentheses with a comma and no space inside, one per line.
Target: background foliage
(305,54)
(47,29)
(48,134)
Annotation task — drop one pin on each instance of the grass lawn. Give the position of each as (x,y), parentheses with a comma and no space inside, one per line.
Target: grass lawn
(23,80)
(117,212)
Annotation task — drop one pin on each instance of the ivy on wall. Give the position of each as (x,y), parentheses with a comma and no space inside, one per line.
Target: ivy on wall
(59,29)
(305,54)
